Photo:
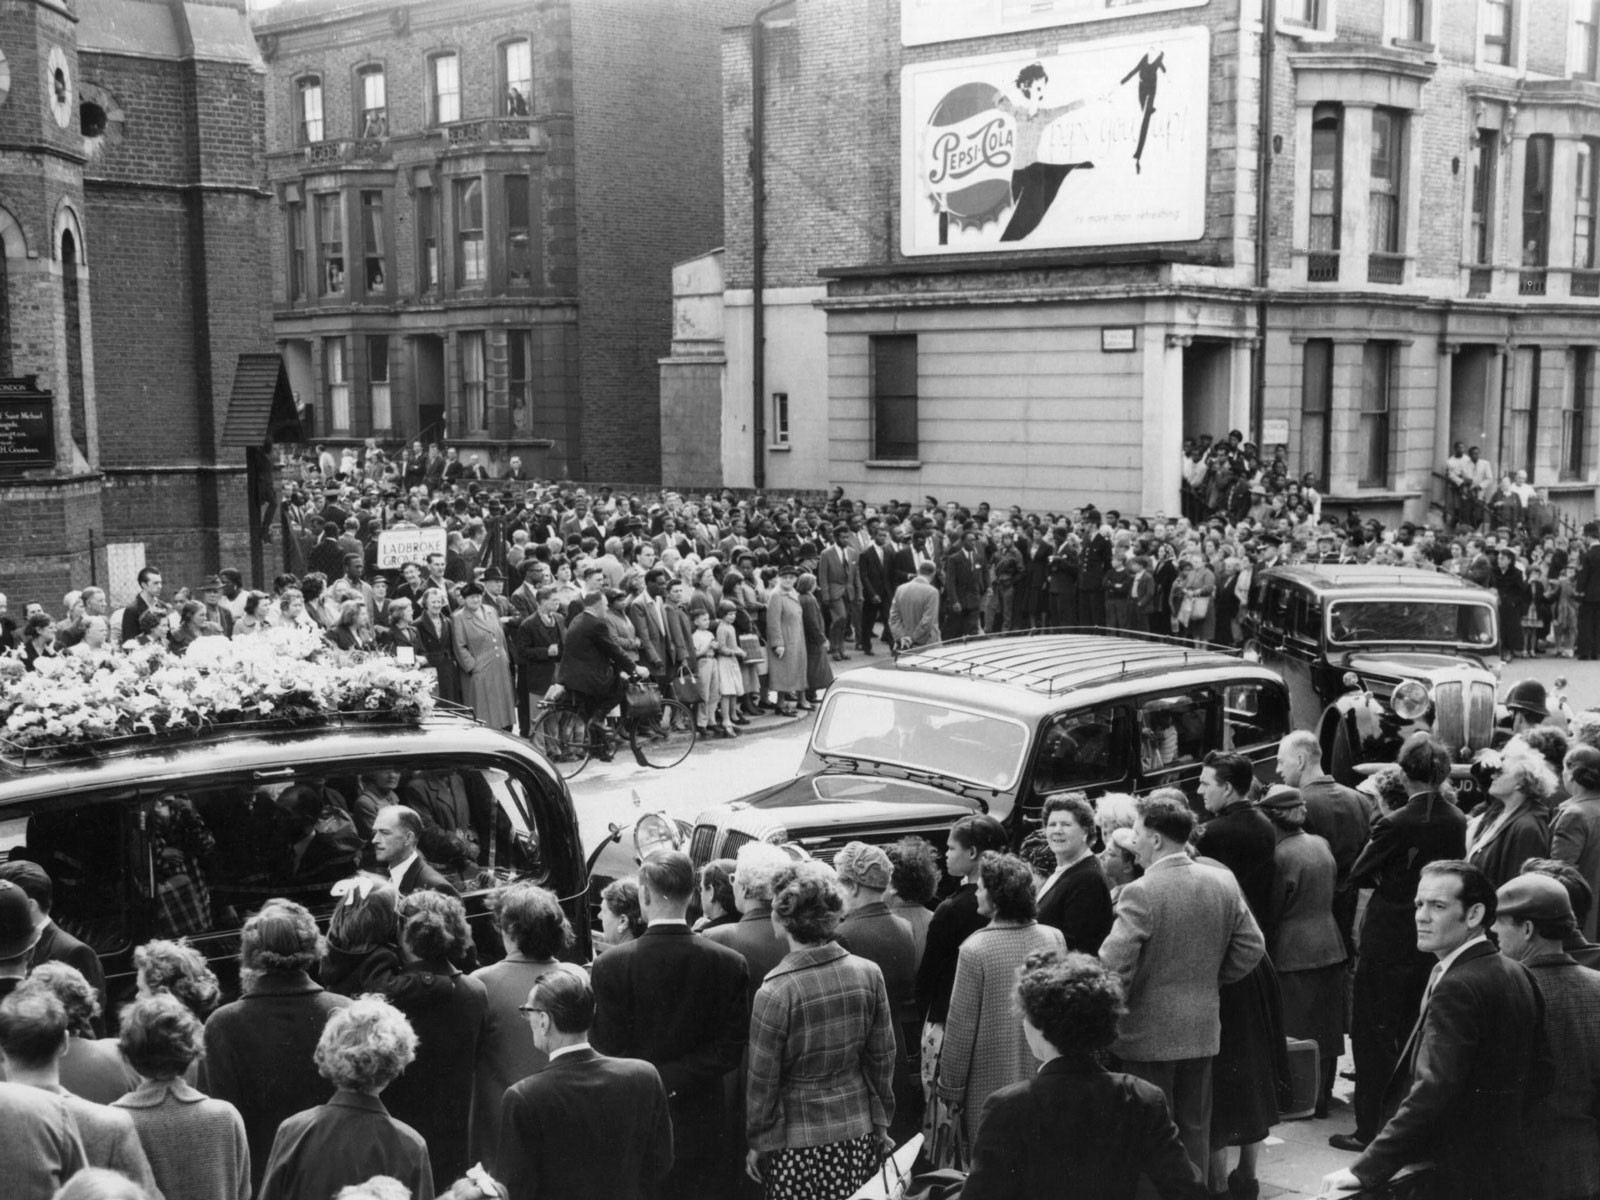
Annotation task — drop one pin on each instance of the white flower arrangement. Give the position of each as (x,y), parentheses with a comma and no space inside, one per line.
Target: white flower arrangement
(287,674)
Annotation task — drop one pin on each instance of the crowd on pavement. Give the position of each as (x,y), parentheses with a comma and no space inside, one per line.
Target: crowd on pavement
(1143,978)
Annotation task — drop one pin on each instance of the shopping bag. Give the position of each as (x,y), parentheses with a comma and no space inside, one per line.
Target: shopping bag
(686,688)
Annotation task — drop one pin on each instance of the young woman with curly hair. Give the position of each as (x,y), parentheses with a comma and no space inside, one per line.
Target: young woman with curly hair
(362,1050)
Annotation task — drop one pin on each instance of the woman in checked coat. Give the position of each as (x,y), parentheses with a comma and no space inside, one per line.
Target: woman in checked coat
(984,1047)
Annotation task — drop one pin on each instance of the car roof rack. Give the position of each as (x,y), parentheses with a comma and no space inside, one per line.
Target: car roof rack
(1050,661)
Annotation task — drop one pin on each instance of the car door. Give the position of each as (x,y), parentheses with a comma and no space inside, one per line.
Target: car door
(1176,729)
(1255,718)
(1085,750)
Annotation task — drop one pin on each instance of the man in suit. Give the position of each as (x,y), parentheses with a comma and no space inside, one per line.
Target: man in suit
(1181,931)
(1095,565)
(395,832)
(535,645)
(586,1126)
(678,1001)
(55,944)
(680,626)
(1461,1094)
(1237,834)
(1334,813)
(964,587)
(1588,586)
(903,562)
(594,667)
(914,612)
(1533,919)
(1391,973)
(646,612)
(149,597)
(873,568)
(836,587)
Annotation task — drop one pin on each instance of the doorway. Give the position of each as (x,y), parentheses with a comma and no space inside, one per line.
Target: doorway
(1470,381)
(428,361)
(1207,367)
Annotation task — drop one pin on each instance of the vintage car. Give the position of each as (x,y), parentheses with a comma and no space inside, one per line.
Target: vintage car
(995,726)
(1372,654)
(154,837)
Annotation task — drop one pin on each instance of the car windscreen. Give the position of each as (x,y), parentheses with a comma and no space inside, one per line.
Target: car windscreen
(971,747)
(1351,622)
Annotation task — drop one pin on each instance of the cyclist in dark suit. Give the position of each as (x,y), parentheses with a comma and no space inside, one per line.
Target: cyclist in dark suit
(594,669)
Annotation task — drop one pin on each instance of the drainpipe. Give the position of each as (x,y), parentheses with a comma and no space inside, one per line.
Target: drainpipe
(1258,391)
(758,237)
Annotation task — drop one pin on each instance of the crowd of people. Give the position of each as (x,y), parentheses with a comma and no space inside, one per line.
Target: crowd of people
(742,605)
(1133,974)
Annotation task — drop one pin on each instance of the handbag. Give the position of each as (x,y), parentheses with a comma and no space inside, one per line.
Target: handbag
(644,702)
(755,654)
(686,688)
(1199,607)
(1185,613)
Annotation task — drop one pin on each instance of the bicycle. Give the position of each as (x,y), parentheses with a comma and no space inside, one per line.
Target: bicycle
(661,735)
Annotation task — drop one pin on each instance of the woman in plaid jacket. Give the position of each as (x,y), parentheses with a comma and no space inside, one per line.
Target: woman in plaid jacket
(822,1052)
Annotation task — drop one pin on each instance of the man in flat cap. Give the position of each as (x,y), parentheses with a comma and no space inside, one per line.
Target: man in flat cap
(1532,920)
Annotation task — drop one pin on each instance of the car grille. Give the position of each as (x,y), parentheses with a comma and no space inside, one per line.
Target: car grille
(703,844)
(731,843)
(1463,714)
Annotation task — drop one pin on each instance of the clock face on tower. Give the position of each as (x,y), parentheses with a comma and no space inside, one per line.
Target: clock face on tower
(58,87)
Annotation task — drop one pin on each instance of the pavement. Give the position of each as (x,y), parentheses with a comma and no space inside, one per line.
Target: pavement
(1295,1157)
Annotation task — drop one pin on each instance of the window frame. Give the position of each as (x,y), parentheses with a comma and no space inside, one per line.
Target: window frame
(780,418)
(430,262)
(883,403)
(519,385)
(503,101)
(1506,54)
(1325,413)
(471,269)
(1374,425)
(474,382)
(371,253)
(1485,169)
(1586,204)
(1575,419)
(336,376)
(1546,143)
(436,115)
(297,283)
(1521,415)
(332,202)
(1394,164)
(378,376)
(1331,253)
(518,238)
(304,86)
(370,122)
(1586,40)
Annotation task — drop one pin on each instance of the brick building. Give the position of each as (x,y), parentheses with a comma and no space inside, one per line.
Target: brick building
(478,205)
(957,302)
(133,224)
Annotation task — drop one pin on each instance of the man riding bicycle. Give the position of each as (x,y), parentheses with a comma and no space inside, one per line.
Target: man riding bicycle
(594,671)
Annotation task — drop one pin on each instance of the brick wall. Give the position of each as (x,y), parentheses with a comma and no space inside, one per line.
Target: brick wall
(646,121)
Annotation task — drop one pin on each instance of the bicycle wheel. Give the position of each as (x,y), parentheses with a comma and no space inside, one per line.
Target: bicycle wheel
(664,740)
(562,736)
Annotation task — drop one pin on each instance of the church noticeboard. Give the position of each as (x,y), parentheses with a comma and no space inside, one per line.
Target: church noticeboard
(27,424)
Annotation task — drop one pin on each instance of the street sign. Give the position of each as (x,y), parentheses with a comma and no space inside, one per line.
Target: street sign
(27,424)
(396,547)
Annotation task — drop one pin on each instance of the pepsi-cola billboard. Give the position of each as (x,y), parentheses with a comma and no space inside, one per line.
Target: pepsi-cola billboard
(1102,143)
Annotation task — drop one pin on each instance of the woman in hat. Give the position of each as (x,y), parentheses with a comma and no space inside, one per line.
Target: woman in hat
(786,640)
(480,649)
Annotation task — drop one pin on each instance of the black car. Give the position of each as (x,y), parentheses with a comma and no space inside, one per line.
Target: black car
(187,835)
(997,725)
(1372,654)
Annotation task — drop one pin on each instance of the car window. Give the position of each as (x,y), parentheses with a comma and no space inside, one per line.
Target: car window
(84,849)
(1175,730)
(1308,619)
(1404,620)
(1081,749)
(1253,714)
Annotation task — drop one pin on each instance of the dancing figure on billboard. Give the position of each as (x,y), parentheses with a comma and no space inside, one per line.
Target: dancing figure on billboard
(1146,69)
(1034,184)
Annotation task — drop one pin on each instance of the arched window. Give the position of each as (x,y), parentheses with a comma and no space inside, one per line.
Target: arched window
(372,102)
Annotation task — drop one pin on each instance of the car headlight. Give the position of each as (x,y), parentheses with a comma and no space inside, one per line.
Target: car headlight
(1410,701)
(653,832)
